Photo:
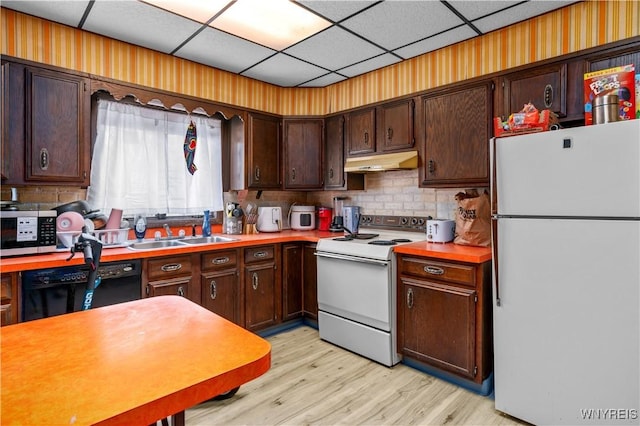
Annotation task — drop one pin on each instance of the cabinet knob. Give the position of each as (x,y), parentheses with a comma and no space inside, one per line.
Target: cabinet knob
(256,174)
(548,96)
(410,298)
(389,133)
(293,174)
(331,173)
(431,167)
(44,159)
(254,281)
(181,291)
(366,138)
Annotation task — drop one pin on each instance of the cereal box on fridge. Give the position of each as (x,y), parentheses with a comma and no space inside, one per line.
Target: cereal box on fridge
(612,81)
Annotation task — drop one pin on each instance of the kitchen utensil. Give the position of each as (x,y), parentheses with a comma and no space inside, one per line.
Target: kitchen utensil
(69,222)
(440,230)
(79,206)
(269,219)
(302,218)
(605,109)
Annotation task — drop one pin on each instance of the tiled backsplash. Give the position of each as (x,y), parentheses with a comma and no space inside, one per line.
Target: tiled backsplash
(387,193)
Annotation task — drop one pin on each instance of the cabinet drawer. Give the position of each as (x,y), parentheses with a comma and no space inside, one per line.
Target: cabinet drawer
(259,254)
(219,260)
(169,267)
(435,269)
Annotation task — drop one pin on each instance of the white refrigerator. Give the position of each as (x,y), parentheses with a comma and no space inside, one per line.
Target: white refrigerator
(566,278)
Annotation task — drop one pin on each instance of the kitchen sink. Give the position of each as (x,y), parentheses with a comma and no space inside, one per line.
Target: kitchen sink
(155,245)
(208,240)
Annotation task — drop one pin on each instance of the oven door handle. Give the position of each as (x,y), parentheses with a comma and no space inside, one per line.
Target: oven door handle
(352,258)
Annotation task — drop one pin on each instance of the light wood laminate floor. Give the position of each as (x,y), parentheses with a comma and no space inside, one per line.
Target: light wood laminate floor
(312,382)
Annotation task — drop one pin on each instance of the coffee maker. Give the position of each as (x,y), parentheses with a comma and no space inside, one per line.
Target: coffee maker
(337,224)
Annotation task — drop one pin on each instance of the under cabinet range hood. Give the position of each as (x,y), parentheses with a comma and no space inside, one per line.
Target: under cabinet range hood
(382,162)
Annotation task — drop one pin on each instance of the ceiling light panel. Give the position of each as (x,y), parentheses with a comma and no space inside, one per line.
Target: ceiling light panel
(221,50)
(198,10)
(275,23)
(141,24)
(393,24)
(336,10)
(334,48)
(284,71)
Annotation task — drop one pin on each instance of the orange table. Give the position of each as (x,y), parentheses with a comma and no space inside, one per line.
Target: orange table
(131,363)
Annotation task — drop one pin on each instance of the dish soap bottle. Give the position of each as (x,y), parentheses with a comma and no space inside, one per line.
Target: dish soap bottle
(140,226)
(206,224)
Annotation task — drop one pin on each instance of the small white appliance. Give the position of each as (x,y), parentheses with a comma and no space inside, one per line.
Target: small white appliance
(269,219)
(440,230)
(302,218)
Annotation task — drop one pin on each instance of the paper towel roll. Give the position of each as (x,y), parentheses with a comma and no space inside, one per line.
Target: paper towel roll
(69,222)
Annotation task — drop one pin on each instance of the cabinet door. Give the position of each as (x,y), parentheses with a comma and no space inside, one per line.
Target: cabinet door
(263,167)
(362,137)
(57,127)
(303,141)
(260,296)
(310,282)
(457,128)
(8,301)
(174,286)
(439,325)
(395,125)
(545,87)
(334,150)
(291,281)
(220,294)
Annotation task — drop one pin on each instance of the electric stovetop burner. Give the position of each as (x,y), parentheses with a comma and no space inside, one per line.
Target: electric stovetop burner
(382,243)
(351,237)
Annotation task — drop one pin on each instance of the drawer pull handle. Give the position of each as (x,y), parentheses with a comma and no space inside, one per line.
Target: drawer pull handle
(260,254)
(410,298)
(433,270)
(171,267)
(220,260)
(254,280)
(212,289)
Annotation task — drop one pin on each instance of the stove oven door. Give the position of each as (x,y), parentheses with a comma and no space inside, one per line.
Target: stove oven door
(356,289)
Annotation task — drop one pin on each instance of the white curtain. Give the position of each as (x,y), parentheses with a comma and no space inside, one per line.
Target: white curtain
(138,162)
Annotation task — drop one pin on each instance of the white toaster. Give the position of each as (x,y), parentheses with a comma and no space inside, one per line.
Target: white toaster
(440,230)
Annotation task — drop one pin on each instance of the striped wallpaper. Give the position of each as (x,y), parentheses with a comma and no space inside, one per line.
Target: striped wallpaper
(573,28)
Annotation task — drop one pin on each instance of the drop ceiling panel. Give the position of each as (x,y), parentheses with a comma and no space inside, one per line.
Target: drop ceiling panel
(518,13)
(370,65)
(224,51)
(284,71)
(140,24)
(325,80)
(474,9)
(436,42)
(68,13)
(394,24)
(334,48)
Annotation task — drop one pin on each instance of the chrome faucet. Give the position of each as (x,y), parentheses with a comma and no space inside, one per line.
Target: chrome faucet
(166,228)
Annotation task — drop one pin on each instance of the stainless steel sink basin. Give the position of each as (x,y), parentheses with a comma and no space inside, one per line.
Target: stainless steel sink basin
(208,240)
(154,245)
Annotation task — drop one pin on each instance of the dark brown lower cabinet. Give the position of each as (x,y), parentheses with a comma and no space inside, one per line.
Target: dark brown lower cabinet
(444,315)
(310,281)
(262,293)
(220,284)
(292,255)
(171,275)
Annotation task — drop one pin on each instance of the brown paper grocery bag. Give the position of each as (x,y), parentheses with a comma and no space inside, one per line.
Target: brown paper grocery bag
(473,219)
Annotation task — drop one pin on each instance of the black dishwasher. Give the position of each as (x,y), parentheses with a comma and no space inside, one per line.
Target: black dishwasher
(56,291)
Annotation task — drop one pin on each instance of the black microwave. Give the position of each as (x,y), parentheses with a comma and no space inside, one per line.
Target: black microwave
(27,232)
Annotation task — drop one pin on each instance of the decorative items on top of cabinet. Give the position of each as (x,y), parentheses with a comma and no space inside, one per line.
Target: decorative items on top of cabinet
(395,125)
(262,287)
(47,119)
(334,176)
(303,153)
(444,315)
(220,284)
(456,127)
(263,152)
(310,281)
(292,267)
(8,299)
(171,276)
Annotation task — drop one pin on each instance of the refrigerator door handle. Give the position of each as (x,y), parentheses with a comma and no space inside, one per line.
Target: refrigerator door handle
(494,254)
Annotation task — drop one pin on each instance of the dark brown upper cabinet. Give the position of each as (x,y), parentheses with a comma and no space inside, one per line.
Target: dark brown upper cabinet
(545,87)
(303,149)
(263,158)
(361,126)
(394,130)
(456,130)
(334,151)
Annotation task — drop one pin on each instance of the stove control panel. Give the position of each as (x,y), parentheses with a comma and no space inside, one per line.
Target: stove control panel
(407,223)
